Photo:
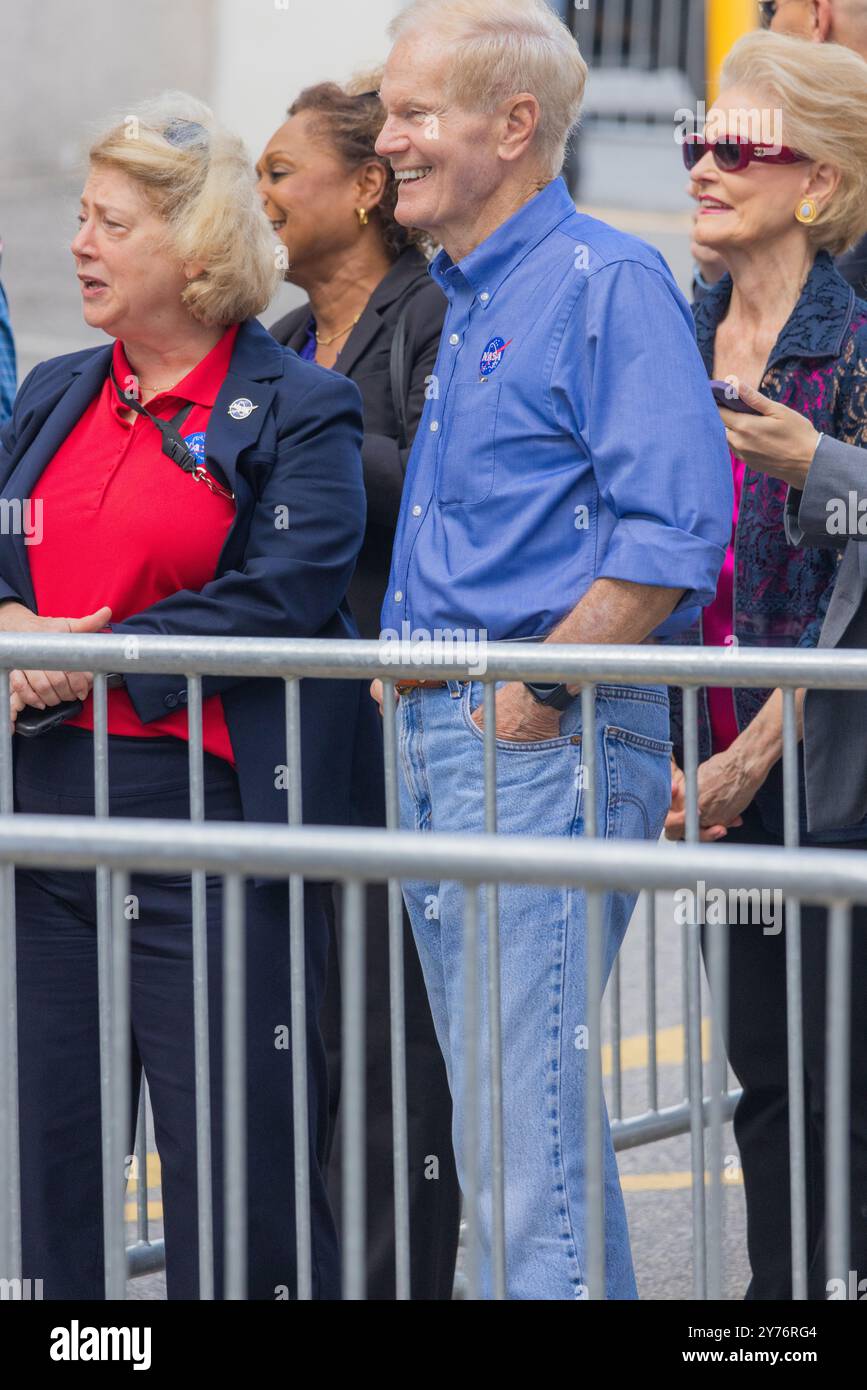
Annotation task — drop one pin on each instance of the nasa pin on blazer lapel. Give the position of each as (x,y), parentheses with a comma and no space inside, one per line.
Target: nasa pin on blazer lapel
(241,408)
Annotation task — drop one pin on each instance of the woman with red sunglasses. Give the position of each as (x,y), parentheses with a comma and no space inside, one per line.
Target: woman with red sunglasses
(780,174)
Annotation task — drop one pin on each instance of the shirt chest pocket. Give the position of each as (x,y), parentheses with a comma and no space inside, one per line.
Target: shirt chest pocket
(467,452)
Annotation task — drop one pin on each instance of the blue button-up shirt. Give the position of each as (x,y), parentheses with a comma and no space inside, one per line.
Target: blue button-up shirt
(569,434)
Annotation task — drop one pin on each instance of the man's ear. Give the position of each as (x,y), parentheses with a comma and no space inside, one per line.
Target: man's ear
(521,115)
(823,20)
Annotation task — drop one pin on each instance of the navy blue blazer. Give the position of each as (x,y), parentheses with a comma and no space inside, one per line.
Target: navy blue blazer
(300,448)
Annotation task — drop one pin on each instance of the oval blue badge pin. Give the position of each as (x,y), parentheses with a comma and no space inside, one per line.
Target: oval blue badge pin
(196,444)
(241,408)
(493,356)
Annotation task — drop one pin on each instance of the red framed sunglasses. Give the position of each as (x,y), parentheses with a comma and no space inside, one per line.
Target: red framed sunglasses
(733,156)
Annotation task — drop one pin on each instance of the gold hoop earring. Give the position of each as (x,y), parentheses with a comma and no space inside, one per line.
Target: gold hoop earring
(806,211)
(361,214)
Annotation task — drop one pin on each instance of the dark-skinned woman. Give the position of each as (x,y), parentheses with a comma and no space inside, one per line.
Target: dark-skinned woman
(374,315)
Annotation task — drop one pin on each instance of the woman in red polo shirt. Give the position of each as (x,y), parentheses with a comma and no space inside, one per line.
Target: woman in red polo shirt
(159,468)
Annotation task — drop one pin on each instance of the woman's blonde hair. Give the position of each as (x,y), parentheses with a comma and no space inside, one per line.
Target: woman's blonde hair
(199,178)
(821,90)
(500,48)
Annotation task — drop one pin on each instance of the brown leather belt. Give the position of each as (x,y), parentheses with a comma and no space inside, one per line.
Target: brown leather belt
(402,686)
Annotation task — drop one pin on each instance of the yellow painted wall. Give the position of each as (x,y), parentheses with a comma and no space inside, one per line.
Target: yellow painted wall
(727,21)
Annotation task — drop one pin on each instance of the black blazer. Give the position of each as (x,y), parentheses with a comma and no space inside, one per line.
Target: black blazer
(365,359)
(299,448)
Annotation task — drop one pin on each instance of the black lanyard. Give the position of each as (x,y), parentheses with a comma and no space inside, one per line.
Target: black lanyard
(173,446)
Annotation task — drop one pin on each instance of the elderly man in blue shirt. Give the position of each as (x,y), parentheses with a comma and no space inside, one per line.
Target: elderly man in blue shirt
(570,482)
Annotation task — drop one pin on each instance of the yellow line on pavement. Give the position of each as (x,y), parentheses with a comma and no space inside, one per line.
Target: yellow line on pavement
(634,1054)
(670,1182)
(155,1210)
(634,1051)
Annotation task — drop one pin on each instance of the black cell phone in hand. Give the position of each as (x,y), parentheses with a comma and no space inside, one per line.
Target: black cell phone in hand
(722,394)
(31,722)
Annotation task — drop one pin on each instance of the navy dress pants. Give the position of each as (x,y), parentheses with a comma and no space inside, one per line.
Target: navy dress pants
(61,1172)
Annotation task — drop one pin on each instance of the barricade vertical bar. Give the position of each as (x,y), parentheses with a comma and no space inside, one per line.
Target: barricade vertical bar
(837,1197)
(104,953)
(616,1066)
(718,976)
(472,1124)
(397,1011)
(693,1034)
(794,1012)
(234,1087)
(588,758)
(353,1095)
(100,748)
(200,1002)
(495,1026)
(690,761)
(114,1180)
(684,1003)
(594,1185)
(650,971)
(298,998)
(10,1169)
(141,1158)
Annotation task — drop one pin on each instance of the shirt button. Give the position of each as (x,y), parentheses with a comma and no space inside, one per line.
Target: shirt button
(434,424)
(416,511)
(171,702)
(484,296)
(455,339)
(398,595)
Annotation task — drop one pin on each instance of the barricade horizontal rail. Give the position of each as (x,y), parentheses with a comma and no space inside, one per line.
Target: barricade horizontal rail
(265,851)
(116,847)
(653,663)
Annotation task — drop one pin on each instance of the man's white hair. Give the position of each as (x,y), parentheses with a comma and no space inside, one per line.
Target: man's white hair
(502,47)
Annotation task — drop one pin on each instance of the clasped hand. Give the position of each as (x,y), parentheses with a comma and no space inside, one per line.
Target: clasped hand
(725,789)
(40,689)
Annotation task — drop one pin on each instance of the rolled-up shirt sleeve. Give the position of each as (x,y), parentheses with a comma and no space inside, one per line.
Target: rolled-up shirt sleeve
(644,413)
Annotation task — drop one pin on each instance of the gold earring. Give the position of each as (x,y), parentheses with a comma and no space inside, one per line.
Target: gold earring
(806,211)
(361,214)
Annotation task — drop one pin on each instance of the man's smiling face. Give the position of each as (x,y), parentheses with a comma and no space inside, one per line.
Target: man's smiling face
(445,157)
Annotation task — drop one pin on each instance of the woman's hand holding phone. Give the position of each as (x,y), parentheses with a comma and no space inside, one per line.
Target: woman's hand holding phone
(770,438)
(41,689)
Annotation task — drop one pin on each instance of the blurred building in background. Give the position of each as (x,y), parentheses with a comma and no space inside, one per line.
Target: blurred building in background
(64,68)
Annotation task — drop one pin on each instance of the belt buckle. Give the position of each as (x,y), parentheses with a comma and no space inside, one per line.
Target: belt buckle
(401,687)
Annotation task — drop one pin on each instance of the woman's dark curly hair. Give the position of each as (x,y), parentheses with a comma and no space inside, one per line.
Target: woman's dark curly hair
(350,118)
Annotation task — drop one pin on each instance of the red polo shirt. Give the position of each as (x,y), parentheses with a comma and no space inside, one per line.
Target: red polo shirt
(125,526)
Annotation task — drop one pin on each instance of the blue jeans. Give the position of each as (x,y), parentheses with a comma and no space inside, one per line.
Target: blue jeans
(542,933)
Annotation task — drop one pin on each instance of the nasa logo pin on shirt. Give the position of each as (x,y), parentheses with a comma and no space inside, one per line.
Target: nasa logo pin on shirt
(241,408)
(492,357)
(196,444)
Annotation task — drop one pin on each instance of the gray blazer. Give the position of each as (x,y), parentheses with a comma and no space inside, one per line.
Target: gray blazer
(835,721)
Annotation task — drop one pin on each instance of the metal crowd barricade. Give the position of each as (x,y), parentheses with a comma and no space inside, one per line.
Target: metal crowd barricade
(480,863)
